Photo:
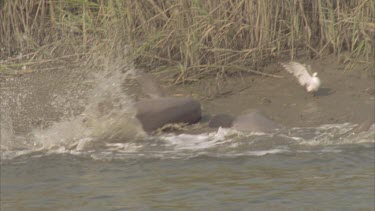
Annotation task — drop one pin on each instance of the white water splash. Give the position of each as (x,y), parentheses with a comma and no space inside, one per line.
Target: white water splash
(6,127)
(332,134)
(106,113)
(200,141)
(228,143)
(109,116)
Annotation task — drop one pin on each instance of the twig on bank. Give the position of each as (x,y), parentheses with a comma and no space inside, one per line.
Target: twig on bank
(256,72)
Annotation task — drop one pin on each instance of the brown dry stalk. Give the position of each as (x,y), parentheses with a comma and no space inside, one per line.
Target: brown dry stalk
(197,36)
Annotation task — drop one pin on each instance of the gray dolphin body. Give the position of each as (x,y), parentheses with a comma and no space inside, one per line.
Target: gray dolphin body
(160,110)
(155,113)
(253,121)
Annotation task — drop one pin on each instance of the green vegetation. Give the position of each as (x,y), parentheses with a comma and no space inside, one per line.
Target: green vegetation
(188,38)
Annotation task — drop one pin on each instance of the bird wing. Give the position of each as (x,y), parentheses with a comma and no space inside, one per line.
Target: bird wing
(149,86)
(299,71)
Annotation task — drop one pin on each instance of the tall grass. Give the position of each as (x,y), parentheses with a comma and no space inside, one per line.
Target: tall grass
(188,38)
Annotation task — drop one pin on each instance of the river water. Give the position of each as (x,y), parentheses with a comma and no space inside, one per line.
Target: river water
(68,149)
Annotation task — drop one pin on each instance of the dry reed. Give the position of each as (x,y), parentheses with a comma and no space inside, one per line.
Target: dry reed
(188,38)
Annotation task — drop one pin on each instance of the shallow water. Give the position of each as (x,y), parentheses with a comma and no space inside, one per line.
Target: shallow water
(215,171)
(94,161)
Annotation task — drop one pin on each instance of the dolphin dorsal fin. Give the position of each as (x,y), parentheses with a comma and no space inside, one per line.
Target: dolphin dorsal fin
(149,86)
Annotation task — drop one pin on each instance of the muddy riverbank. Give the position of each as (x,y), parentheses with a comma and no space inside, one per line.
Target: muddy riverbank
(345,95)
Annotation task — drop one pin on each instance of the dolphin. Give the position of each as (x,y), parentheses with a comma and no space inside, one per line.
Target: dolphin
(253,121)
(160,109)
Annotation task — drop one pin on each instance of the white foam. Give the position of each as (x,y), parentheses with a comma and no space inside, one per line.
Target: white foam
(200,141)
(335,134)
(108,115)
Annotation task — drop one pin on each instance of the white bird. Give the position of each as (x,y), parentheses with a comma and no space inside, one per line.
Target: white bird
(310,82)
